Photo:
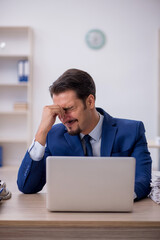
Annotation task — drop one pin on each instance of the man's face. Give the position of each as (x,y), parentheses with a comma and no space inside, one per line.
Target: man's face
(77,115)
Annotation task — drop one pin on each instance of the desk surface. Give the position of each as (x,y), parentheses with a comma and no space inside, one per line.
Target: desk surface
(30,210)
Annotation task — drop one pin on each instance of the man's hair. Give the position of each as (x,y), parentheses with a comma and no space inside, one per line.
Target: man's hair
(77,80)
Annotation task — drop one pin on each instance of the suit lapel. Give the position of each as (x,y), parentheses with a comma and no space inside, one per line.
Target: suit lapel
(74,144)
(109,130)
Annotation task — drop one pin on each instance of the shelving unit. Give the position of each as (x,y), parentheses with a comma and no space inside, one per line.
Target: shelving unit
(15,124)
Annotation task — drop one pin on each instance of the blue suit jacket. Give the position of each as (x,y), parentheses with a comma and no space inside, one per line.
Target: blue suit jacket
(120,137)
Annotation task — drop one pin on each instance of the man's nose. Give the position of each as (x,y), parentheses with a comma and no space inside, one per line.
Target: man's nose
(65,116)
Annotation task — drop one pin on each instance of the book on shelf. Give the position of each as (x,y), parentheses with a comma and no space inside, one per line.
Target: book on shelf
(20,106)
(23,70)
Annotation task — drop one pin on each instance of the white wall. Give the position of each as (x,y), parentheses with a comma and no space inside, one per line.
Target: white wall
(125,70)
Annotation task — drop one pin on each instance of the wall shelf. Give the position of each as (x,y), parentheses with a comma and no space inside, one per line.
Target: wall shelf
(14,84)
(18,112)
(13,56)
(12,140)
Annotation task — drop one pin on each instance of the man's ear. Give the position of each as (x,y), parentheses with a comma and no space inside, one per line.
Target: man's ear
(90,101)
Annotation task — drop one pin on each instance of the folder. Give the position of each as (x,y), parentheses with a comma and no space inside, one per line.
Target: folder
(26,70)
(20,71)
(23,70)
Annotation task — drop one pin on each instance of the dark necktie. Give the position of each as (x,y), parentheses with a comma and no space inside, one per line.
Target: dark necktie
(88,145)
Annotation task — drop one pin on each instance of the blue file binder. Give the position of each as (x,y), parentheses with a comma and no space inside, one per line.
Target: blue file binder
(23,70)
(26,70)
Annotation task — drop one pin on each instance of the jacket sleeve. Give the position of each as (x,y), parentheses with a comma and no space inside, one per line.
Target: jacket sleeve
(32,174)
(143,163)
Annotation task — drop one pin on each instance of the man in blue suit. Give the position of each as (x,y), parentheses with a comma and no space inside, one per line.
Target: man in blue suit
(73,95)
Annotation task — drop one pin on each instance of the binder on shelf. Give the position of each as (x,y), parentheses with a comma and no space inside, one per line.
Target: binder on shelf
(20,71)
(23,70)
(1,162)
(26,70)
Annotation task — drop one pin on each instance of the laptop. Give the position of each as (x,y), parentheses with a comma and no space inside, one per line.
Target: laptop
(90,184)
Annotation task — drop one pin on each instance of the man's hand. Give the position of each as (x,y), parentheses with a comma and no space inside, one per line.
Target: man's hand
(49,115)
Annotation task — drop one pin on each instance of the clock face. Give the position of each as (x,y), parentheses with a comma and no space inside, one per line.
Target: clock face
(95,39)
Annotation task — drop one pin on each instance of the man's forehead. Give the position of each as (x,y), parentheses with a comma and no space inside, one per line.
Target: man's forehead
(66,93)
(65,98)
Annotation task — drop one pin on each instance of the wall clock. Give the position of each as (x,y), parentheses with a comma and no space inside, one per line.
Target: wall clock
(95,39)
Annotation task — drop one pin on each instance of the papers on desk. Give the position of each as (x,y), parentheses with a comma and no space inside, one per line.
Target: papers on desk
(155,184)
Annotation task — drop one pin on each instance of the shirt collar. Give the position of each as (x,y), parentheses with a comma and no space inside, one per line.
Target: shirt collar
(97,131)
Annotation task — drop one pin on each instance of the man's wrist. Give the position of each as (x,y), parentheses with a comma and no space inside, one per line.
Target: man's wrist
(36,150)
(41,136)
